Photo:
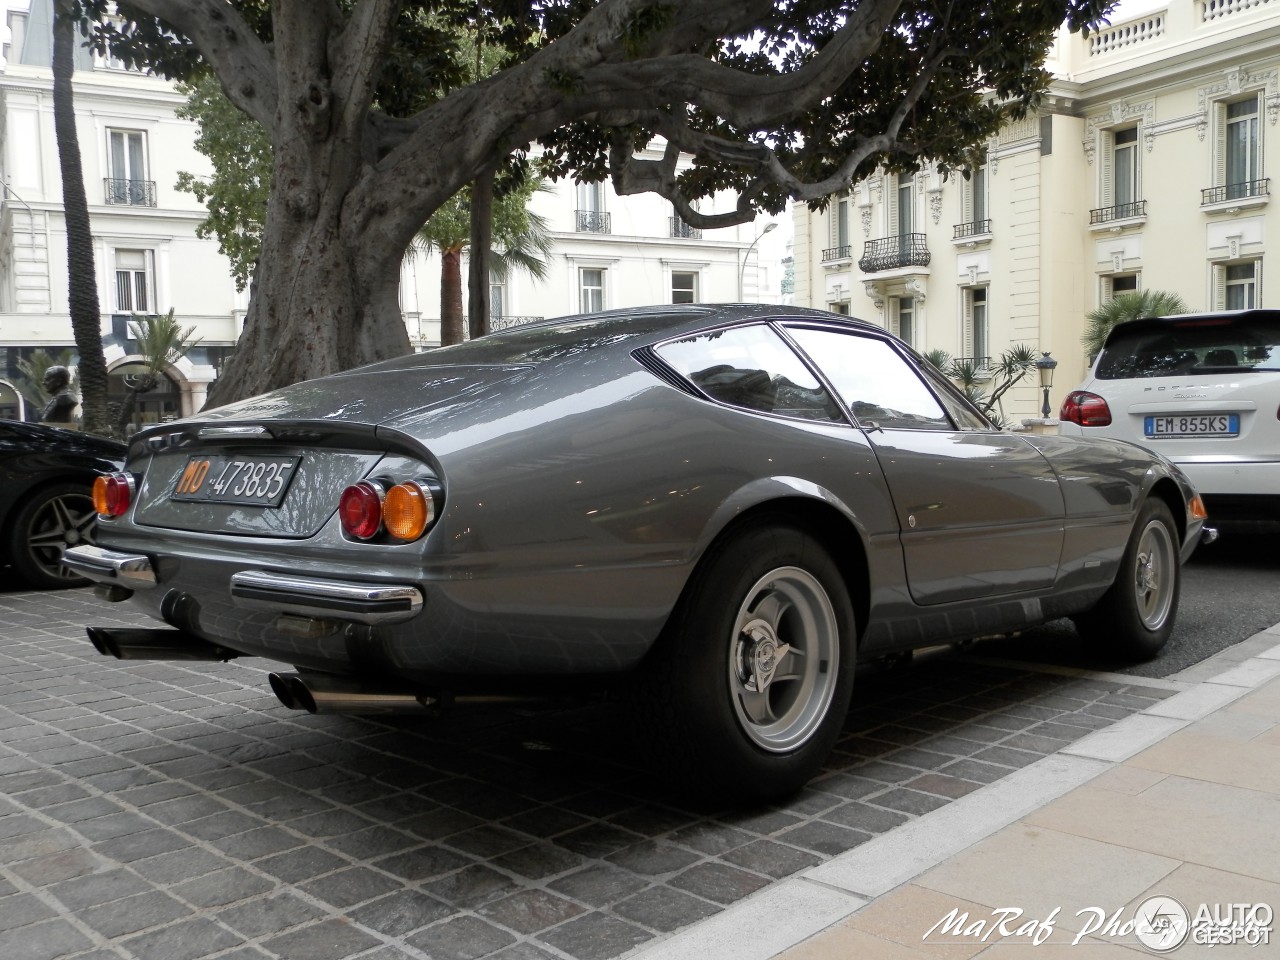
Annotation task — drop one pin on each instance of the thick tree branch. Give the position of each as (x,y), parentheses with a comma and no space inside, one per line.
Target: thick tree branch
(242,61)
(358,53)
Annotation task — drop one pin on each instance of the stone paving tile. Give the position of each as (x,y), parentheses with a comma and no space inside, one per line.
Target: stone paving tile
(176,811)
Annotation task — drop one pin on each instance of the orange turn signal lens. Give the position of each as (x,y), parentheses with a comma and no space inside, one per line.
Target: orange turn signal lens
(408,510)
(1197,508)
(112,494)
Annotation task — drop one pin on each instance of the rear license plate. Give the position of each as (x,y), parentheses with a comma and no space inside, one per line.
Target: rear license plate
(1193,425)
(256,481)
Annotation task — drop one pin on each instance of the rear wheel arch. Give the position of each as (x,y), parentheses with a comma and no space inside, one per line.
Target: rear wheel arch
(833,529)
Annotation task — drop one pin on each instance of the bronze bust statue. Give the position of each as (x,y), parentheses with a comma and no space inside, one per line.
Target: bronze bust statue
(61,408)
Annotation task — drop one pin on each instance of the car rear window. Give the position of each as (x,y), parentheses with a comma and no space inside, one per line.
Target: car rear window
(1195,346)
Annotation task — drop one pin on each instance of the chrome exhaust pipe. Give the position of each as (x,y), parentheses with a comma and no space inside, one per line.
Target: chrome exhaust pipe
(321,693)
(158,644)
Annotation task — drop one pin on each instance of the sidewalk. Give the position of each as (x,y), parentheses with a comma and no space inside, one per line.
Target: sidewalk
(1180,801)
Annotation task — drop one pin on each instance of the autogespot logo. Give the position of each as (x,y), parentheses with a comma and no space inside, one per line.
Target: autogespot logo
(1161,924)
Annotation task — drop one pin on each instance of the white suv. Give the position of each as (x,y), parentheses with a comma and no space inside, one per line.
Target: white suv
(1204,390)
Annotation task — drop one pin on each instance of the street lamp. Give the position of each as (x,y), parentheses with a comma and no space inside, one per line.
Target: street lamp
(743,270)
(1045,365)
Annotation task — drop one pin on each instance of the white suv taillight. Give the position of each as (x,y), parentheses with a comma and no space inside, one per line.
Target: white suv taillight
(1086,409)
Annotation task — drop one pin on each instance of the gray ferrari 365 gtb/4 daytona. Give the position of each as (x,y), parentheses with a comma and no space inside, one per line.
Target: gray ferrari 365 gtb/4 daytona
(726,507)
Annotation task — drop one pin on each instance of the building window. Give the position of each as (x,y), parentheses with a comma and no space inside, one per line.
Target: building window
(975,206)
(841,307)
(1117,284)
(840,228)
(976,335)
(904,320)
(1238,171)
(134,282)
(590,290)
(1124,167)
(592,217)
(1237,285)
(497,297)
(902,207)
(127,169)
(684,287)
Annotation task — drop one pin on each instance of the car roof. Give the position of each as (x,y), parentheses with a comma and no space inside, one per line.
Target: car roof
(622,330)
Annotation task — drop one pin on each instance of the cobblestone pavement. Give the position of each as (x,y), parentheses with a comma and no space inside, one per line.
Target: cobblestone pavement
(162,811)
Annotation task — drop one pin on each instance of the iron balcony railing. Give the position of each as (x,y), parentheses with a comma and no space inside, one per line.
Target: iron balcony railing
(134,193)
(974,228)
(1236,191)
(837,253)
(889,253)
(682,230)
(593,221)
(979,364)
(1120,211)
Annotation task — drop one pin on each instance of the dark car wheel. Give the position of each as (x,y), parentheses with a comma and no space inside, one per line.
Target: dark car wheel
(52,519)
(1134,619)
(751,681)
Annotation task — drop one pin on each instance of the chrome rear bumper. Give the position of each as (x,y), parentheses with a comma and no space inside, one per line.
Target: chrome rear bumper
(131,570)
(370,603)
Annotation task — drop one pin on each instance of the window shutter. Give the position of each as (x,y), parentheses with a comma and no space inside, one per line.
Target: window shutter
(891,207)
(1257,282)
(1219,293)
(1106,169)
(1219,148)
(967,332)
(893,315)
(967,212)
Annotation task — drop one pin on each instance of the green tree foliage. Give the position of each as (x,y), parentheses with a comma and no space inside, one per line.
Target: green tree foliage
(236,194)
(1127,306)
(375,119)
(986,386)
(521,241)
(162,342)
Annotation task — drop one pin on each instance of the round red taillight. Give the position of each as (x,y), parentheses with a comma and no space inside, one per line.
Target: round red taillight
(112,494)
(1086,409)
(361,510)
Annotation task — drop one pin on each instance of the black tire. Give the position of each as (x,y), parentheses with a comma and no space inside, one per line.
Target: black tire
(50,520)
(731,719)
(1134,618)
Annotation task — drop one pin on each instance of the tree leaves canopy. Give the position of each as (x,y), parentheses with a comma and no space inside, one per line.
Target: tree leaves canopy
(774,99)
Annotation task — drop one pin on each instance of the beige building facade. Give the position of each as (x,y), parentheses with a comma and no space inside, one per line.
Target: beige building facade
(1145,168)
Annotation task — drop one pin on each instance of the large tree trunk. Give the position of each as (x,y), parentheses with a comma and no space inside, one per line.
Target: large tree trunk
(318,304)
(82,282)
(451,319)
(481,244)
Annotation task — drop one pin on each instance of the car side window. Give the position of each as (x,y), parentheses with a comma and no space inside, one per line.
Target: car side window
(752,368)
(873,379)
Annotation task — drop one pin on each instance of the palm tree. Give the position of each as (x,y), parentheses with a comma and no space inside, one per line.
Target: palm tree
(162,343)
(522,241)
(82,284)
(1127,306)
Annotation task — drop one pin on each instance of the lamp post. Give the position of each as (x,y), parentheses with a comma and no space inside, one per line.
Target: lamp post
(1046,365)
(743,270)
